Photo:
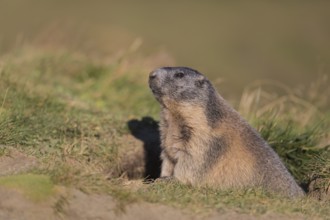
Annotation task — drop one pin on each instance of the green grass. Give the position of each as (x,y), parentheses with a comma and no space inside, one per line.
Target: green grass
(244,201)
(35,187)
(299,151)
(60,108)
(71,113)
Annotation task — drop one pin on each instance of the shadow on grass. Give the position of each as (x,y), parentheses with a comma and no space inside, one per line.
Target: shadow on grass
(147,130)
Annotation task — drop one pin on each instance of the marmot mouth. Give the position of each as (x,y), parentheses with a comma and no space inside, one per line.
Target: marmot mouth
(157,92)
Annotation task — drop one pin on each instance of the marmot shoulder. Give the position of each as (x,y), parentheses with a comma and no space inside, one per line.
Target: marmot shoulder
(205,142)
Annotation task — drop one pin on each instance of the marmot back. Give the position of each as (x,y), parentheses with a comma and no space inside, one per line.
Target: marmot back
(205,142)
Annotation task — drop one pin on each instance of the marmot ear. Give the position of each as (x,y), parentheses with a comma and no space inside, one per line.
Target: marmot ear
(199,83)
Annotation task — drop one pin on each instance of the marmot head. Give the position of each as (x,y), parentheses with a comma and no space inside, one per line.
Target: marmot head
(182,88)
(179,85)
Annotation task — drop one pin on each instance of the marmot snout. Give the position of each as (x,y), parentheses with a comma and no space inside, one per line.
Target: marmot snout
(205,142)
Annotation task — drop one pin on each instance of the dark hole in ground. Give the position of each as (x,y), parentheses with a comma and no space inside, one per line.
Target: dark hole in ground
(147,130)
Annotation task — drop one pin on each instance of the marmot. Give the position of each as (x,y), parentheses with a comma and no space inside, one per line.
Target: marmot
(205,142)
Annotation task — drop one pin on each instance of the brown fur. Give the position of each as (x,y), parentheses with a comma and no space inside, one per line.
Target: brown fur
(205,142)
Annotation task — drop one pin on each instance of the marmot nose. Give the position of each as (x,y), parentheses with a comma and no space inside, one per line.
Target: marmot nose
(157,73)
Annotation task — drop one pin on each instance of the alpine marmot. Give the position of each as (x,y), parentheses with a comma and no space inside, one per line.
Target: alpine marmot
(205,142)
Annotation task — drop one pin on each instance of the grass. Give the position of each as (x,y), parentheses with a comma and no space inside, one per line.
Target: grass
(243,201)
(35,187)
(71,113)
(298,151)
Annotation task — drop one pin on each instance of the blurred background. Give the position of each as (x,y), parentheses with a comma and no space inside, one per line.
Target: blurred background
(235,41)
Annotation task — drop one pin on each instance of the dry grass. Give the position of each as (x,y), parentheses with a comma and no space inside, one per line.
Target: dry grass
(303,106)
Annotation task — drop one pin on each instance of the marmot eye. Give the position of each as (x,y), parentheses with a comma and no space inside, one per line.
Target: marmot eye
(179,75)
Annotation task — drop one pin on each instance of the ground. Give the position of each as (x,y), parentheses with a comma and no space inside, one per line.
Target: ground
(70,203)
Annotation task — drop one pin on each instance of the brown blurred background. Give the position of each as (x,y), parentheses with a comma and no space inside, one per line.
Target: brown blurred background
(237,41)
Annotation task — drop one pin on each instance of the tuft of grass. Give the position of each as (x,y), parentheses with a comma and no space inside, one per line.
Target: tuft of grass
(60,205)
(35,187)
(301,106)
(299,150)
